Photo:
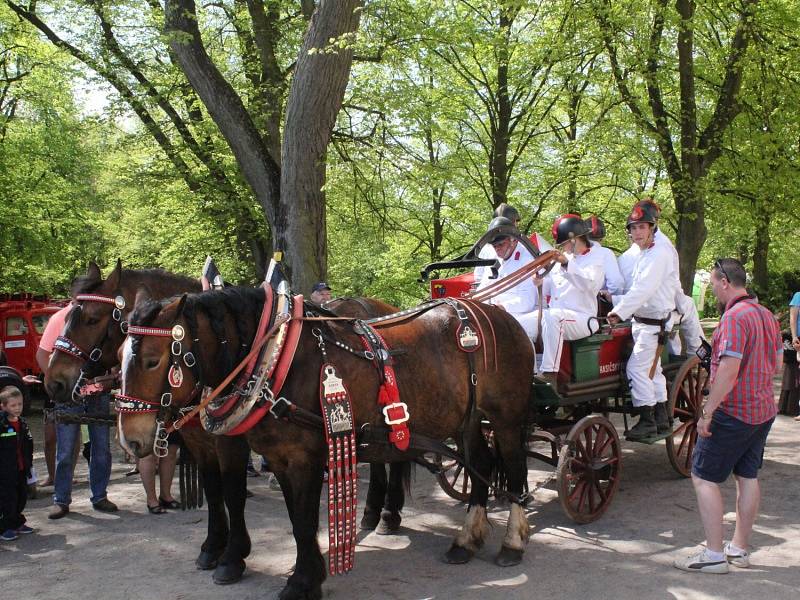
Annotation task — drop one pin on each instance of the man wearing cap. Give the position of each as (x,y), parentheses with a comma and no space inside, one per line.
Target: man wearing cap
(686,313)
(520,300)
(571,287)
(649,302)
(614,282)
(320,293)
(512,214)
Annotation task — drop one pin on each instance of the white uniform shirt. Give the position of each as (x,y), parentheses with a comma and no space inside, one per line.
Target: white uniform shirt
(486,252)
(521,298)
(651,292)
(627,262)
(575,286)
(614,281)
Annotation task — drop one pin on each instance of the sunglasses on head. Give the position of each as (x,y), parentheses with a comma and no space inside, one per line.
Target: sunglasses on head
(718,266)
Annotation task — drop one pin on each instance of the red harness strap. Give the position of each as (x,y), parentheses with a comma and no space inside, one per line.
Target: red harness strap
(395,413)
(337,412)
(281,369)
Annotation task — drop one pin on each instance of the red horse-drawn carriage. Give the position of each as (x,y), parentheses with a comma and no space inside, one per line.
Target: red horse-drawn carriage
(569,425)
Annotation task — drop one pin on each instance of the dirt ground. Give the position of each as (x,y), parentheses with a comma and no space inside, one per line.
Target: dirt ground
(626,554)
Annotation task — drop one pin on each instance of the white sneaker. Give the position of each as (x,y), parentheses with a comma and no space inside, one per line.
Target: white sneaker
(699,563)
(738,558)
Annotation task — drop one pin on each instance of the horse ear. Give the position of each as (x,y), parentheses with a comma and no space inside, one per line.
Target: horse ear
(115,275)
(93,272)
(181,304)
(142,296)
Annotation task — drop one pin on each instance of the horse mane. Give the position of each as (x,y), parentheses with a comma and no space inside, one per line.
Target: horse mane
(83,284)
(237,302)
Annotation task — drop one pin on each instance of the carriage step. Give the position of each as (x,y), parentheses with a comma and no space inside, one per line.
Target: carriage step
(651,439)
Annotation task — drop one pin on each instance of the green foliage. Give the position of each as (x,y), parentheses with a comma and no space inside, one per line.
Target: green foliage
(410,171)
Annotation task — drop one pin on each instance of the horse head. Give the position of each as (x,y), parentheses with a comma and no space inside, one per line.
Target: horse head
(159,373)
(92,333)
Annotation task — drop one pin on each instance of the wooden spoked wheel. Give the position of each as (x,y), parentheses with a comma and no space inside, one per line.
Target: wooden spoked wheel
(454,479)
(589,468)
(685,400)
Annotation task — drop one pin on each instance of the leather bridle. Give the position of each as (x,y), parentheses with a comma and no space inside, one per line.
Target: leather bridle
(91,366)
(164,410)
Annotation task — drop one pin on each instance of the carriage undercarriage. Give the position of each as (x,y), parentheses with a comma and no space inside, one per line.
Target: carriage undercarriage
(570,430)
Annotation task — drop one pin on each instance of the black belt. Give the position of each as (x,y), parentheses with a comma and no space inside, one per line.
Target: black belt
(657,322)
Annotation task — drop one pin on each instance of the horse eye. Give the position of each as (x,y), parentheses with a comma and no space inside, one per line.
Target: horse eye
(92,320)
(151,363)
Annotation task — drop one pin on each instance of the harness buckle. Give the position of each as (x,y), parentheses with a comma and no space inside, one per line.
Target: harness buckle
(189,359)
(116,314)
(166,399)
(395,413)
(279,407)
(177,349)
(369,355)
(123,327)
(461,313)
(96,354)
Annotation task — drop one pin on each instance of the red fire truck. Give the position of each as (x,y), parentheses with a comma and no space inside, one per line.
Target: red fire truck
(23,318)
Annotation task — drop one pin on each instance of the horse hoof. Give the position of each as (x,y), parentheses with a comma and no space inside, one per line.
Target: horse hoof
(508,557)
(390,523)
(229,573)
(292,593)
(458,555)
(370,520)
(206,561)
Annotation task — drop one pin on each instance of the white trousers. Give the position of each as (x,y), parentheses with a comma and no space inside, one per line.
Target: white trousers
(559,324)
(691,331)
(645,391)
(530,323)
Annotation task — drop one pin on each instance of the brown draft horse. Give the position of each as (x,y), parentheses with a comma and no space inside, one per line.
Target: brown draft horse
(92,325)
(433,375)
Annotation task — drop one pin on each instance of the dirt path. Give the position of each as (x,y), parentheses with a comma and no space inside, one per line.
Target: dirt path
(627,554)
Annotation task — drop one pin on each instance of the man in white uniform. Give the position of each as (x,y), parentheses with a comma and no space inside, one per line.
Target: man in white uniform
(686,310)
(614,282)
(650,301)
(572,287)
(521,299)
(512,214)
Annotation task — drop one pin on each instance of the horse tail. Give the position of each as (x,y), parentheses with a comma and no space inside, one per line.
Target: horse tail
(406,469)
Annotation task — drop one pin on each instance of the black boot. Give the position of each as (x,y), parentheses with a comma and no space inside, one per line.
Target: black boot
(646,425)
(662,418)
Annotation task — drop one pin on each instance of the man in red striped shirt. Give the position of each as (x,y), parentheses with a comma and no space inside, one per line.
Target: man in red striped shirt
(736,418)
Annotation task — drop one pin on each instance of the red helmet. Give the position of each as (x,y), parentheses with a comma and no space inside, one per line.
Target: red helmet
(566,227)
(643,212)
(596,227)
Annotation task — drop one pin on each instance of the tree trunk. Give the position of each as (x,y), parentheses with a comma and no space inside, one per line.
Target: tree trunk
(320,79)
(692,231)
(761,253)
(502,133)
(223,104)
